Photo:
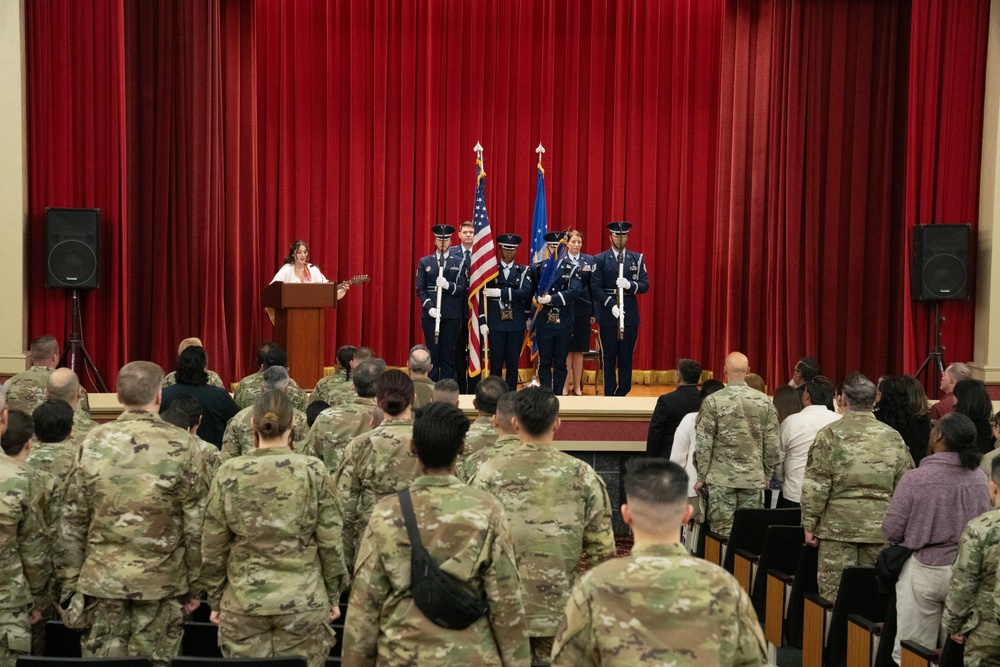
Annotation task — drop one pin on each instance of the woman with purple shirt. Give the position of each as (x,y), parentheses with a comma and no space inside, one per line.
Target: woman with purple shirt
(927,513)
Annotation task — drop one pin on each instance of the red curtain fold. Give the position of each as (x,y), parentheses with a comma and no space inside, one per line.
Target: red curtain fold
(771,153)
(77,158)
(947,77)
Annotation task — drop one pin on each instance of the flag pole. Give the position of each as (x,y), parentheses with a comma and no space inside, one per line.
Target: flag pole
(484,340)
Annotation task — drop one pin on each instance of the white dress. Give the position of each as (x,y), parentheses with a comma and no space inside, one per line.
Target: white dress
(286,274)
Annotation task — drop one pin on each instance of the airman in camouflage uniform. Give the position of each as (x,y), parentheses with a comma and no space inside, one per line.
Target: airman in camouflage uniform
(853,467)
(25,567)
(131,528)
(238,437)
(327,386)
(26,391)
(213,379)
(273,600)
(207,457)
(736,447)
(558,508)
(973,596)
(56,445)
(465,532)
(418,366)
(252,386)
(337,425)
(483,433)
(64,384)
(506,442)
(659,605)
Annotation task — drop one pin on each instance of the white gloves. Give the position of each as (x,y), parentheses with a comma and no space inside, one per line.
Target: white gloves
(434,313)
(484,329)
(615,311)
(492,292)
(545,298)
(442,282)
(621,282)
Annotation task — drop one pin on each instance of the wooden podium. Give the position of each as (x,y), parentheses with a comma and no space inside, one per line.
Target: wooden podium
(300,325)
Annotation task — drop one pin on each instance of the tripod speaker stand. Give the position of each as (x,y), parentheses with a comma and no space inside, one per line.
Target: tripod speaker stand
(936,354)
(76,349)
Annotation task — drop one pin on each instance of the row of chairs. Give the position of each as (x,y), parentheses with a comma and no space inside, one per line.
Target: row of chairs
(767,554)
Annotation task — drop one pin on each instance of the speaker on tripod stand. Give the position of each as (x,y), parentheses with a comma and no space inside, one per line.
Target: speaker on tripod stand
(72,253)
(940,271)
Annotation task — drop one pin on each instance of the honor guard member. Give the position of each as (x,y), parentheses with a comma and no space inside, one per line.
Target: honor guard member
(505,309)
(453,282)
(554,322)
(466,239)
(605,284)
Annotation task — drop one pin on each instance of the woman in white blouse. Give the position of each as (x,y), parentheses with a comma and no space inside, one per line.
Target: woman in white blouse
(297,269)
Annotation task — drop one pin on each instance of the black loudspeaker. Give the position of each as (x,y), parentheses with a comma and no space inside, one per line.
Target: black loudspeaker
(940,270)
(72,247)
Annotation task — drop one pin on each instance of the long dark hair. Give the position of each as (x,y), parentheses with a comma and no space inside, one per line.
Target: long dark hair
(191,364)
(959,435)
(295,246)
(893,407)
(972,400)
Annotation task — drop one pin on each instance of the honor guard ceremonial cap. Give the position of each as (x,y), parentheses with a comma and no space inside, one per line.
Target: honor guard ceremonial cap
(443,231)
(619,228)
(509,241)
(553,238)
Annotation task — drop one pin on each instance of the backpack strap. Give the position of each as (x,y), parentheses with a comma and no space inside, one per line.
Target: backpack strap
(410,519)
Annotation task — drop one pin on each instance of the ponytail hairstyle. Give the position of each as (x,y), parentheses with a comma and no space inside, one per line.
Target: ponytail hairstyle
(959,434)
(272,414)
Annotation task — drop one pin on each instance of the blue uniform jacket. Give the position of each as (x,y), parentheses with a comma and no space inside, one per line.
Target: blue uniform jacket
(584,305)
(515,293)
(602,286)
(453,300)
(564,292)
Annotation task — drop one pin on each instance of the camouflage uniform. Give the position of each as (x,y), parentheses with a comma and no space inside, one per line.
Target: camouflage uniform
(502,448)
(208,459)
(481,434)
(334,428)
(26,391)
(466,534)
(558,507)
(970,607)
(252,386)
(659,606)
(131,531)
(345,394)
(736,451)
(56,458)
(25,568)
(82,425)
(238,437)
(213,379)
(852,469)
(423,391)
(375,465)
(328,385)
(273,582)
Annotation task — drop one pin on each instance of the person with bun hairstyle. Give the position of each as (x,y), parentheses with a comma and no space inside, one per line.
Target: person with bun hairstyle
(927,513)
(380,462)
(273,586)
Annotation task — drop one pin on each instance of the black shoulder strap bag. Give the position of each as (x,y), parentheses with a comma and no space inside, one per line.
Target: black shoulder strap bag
(444,601)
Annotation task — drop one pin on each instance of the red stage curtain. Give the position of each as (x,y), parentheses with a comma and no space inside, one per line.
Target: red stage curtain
(947,77)
(760,147)
(77,159)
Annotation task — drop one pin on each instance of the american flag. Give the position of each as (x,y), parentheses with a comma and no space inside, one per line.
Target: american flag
(483,269)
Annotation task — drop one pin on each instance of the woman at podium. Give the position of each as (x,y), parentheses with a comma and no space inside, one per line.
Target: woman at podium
(297,269)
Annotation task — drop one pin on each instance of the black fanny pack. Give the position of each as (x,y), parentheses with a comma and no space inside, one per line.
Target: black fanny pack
(444,601)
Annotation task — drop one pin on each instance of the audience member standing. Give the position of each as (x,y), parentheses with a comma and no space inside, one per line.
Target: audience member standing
(806,368)
(171,378)
(131,528)
(26,391)
(507,439)
(554,517)
(64,384)
(672,407)
(192,380)
(25,564)
(465,532)
(971,399)
(273,559)
(970,606)
(853,467)
(419,365)
(895,408)
(249,388)
(682,453)
(737,446)
(329,385)
(240,437)
(658,605)
(927,513)
(956,372)
(796,436)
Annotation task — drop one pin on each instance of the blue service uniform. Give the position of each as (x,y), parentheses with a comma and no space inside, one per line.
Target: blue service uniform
(453,309)
(554,324)
(466,384)
(618,353)
(506,317)
(583,309)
